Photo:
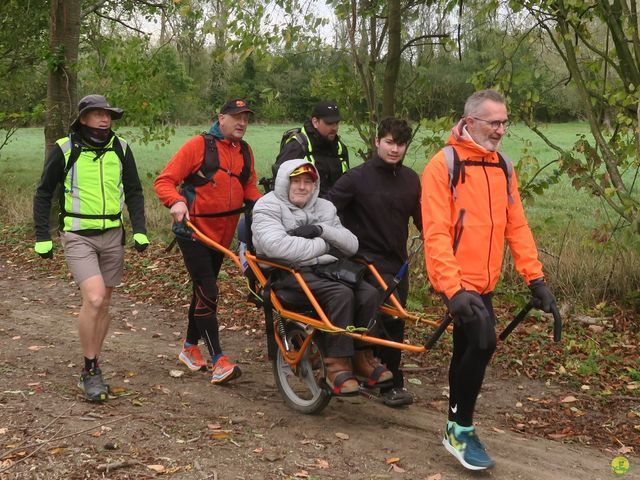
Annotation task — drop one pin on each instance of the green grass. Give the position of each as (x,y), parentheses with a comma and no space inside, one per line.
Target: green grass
(562,218)
(21,164)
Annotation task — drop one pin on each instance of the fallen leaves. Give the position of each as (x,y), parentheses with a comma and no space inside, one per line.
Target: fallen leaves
(217,432)
(569,399)
(35,348)
(342,436)
(176,373)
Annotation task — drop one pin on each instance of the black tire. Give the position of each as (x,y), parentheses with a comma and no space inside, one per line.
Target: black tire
(303,389)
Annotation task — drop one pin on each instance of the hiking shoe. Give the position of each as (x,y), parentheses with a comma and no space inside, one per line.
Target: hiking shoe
(192,358)
(467,448)
(93,386)
(224,370)
(397,397)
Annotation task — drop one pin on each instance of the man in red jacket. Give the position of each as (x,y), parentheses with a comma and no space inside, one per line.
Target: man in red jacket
(216,175)
(470,206)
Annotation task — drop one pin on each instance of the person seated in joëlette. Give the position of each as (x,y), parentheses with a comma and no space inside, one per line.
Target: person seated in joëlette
(292,225)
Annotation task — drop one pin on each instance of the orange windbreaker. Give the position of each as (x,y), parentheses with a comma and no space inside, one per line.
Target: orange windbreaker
(488,219)
(224,192)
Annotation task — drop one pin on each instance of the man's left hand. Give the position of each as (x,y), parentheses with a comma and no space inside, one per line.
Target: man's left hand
(542,298)
(140,242)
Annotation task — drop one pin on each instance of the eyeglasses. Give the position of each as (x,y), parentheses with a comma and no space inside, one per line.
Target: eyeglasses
(495,124)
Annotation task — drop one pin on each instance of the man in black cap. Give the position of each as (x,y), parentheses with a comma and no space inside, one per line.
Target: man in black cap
(98,176)
(319,143)
(216,175)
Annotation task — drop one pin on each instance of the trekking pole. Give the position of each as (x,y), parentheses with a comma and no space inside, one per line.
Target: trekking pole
(397,278)
(557,322)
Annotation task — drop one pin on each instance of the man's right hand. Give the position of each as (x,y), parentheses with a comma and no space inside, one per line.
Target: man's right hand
(44,249)
(307,231)
(467,304)
(179,211)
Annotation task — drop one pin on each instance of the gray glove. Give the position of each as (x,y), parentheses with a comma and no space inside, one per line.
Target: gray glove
(542,298)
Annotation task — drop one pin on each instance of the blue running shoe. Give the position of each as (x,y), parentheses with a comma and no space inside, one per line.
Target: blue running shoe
(467,448)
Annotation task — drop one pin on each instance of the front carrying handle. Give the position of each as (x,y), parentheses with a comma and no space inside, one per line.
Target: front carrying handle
(431,341)
(557,322)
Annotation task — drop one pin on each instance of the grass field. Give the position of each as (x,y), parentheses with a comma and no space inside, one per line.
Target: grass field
(562,218)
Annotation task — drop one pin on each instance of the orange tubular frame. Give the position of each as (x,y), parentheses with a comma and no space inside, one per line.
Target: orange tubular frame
(321,323)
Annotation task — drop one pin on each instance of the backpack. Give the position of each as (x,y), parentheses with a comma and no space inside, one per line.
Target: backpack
(297,135)
(457,168)
(210,165)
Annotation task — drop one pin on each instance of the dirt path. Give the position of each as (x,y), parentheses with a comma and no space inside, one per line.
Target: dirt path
(186,428)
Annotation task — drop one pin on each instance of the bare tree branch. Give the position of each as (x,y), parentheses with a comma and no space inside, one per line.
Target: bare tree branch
(92,8)
(117,20)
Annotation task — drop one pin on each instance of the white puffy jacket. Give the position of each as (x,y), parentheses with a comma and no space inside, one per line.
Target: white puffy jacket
(274,216)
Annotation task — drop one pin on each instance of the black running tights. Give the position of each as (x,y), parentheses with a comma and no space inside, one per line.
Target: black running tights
(203,265)
(468,364)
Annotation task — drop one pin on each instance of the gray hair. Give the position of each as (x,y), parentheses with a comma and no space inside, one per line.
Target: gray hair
(472,105)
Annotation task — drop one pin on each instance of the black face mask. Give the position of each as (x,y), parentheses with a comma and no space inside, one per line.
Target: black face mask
(95,135)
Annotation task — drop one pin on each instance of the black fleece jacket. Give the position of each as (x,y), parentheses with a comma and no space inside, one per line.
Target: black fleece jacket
(375,201)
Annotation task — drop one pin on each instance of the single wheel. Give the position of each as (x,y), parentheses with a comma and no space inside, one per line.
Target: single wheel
(301,389)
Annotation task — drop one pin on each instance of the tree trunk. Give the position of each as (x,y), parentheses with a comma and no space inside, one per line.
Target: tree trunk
(392,66)
(64,40)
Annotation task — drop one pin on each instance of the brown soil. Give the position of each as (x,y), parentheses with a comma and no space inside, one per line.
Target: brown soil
(187,428)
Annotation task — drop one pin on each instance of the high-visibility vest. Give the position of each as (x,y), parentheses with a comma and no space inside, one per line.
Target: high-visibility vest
(92,197)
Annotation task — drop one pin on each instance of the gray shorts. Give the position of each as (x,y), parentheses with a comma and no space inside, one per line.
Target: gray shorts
(95,255)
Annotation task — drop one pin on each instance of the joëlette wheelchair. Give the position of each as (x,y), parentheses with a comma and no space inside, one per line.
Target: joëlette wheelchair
(293,320)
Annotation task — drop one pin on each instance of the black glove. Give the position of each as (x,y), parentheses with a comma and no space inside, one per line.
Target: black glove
(307,231)
(542,298)
(181,230)
(464,306)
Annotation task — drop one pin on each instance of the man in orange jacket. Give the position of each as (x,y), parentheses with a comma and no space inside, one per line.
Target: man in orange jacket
(470,206)
(216,175)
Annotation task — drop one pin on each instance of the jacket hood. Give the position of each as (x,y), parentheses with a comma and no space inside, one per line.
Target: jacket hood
(460,137)
(215,130)
(281,186)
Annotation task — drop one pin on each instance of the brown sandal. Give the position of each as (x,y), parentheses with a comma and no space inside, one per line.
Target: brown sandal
(340,378)
(369,369)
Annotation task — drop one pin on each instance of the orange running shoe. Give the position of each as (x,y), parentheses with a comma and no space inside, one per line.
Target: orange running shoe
(192,358)
(224,370)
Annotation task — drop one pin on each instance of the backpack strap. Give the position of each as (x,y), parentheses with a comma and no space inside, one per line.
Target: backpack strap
(456,168)
(211,163)
(247,156)
(119,146)
(452,160)
(507,167)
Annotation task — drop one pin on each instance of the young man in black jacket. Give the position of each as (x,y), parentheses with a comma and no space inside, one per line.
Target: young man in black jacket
(362,196)
(319,143)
